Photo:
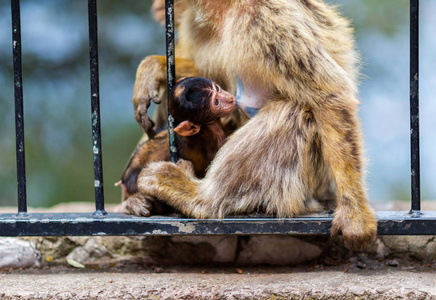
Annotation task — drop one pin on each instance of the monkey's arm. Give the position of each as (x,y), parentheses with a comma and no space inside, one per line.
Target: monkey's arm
(150,77)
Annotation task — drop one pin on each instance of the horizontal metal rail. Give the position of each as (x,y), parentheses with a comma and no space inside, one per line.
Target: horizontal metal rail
(85,224)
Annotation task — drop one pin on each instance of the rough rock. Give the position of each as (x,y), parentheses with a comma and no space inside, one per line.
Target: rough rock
(15,253)
(276,250)
(419,247)
(179,250)
(92,251)
(224,247)
(55,249)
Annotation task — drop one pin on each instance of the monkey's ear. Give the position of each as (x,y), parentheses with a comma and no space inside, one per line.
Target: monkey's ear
(187,128)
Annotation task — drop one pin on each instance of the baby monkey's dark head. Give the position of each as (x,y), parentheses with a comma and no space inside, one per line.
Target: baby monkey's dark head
(199,101)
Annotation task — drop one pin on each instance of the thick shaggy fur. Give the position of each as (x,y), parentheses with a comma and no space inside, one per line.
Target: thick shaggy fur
(304,144)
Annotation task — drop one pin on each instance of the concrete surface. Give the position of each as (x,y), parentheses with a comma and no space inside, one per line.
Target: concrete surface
(377,281)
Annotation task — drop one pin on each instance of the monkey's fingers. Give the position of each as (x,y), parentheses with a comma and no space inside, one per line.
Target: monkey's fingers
(143,119)
(148,93)
(154,96)
(137,205)
(151,132)
(187,166)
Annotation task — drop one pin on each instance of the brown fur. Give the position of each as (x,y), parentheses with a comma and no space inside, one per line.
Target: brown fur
(199,149)
(304,144)
(198,137)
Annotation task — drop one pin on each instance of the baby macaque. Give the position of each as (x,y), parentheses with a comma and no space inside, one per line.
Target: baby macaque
(196,104)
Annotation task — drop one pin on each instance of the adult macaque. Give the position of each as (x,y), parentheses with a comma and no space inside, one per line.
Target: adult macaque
(196,104)
(296,62)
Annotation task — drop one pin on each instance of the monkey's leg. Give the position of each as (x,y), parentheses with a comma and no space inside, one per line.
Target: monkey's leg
(342,148)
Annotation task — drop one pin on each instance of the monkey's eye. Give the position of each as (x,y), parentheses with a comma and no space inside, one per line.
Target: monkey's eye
(216,102)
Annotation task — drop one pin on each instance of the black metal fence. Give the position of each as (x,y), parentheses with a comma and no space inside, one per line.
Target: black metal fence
(413,222)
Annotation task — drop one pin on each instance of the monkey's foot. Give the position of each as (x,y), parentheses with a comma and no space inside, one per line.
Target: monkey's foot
(138,205)
(358,228)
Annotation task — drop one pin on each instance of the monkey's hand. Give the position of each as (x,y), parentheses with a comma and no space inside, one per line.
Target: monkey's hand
(150,76)
(358,227)
(138,205)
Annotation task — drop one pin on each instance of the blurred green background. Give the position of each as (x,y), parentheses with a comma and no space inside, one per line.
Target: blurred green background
(57,94)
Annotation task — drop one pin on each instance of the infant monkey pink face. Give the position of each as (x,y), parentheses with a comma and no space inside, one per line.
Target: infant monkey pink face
(221,102)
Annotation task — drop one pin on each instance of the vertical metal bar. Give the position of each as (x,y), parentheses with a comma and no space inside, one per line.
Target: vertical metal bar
(171,71)
(95,109)
(414,104)
(19,117)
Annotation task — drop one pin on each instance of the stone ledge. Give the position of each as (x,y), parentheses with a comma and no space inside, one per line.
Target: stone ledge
(309,282)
